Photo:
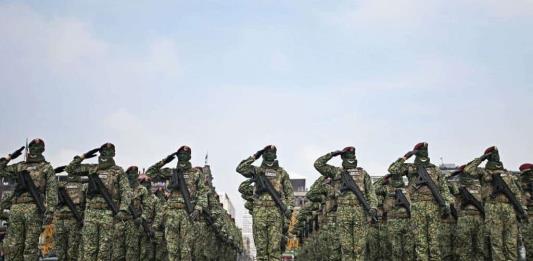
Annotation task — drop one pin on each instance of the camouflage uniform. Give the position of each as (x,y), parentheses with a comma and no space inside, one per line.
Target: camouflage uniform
(500,217)
(527,227)
(161,252)
(352,221)
(5,204)
(470,233)
(25,221)
(179,231)
(98,228)
(67,238)
(267,217)
(322,192)
(425,212)
(398,226)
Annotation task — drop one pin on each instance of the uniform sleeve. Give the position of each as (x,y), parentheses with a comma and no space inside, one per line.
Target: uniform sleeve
(246,168)
(51,199)
(398,168)
(7,171)
(157,171)
(77,169)
(324,168)
(201,191)
(125,191)
(370,193)
(472,167)
(287,190)
(444,188)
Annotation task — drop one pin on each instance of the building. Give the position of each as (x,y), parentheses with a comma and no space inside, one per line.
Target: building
(298,186)
(227,205)
(248,235)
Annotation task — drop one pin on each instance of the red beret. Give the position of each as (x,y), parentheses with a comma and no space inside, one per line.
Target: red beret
(526,166)
(271,148)
(132,168)
(36,141)
(420,146)
(184,148)
(461,168)
(108,146)
(491,149)
(349,149)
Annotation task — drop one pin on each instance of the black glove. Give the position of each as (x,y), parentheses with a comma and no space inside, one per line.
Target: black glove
(336,153)
(195,214)
(409,154)
(122,215)
(259,153)
(59,169)
(169,158)
(16,153)
(91,153)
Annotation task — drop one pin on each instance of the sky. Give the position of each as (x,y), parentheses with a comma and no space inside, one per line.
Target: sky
(229,77)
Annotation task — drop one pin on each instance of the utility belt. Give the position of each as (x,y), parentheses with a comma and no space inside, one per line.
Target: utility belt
(265,203)
(469,212)
(500,198)
(397,215)
(23,200)
(98,205)
(64,215)
(176,205)
(422,197)
(348,202)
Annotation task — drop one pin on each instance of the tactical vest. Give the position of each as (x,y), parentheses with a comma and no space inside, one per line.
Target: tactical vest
(422,192)
(191,177)
(137,197)
(488,189)
(346,196)
(37,174)
(389,203)
(275,176)
(110,178)
(473,186)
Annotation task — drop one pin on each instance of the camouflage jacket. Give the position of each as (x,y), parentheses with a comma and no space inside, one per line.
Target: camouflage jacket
(416,193)
(275,174)
(113,178)
(359,175)
(42,174)
(386,193)
(194,178)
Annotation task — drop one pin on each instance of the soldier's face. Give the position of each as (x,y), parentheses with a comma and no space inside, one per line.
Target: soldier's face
(494,157)
(349,161)
(107,152)
(36,149)
(422,153)
(269,156)
(184,156)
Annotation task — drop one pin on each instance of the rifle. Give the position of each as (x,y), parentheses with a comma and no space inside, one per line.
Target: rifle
(180,180)
(28,183)
(350,184)
(425,180)
(469,199)
(264,184)
(97,183)
(500,187)
(146,227)
(65,198)
(401,201)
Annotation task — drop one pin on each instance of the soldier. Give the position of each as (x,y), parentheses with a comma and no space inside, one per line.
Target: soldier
(470,233)
(397,214)
(267,214)
(129,233)
(26,218)
(98,228)
(149,212)
(352,218)
(500,217)
(5,204)
(426,210)
(205,241)
(246,188)
(176,220)
(526,179)
(68,223)
(323,193)
(161,252)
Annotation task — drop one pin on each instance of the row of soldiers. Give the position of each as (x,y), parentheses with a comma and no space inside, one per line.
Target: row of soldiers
(101,212)
(473,213)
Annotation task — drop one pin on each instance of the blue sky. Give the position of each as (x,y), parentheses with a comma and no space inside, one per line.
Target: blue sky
(229,77)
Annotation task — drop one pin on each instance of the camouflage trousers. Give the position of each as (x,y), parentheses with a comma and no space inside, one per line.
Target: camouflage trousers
(527,235)
(353,228)
(447,238)
(25,226)
(126,240)
(179,234)
(67,237)
(470,243)
(267,229)
(96,234)
(203,244)
(377,245)
(400,238)
(425,218)
(329,240)
(147,246)
(502,228)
